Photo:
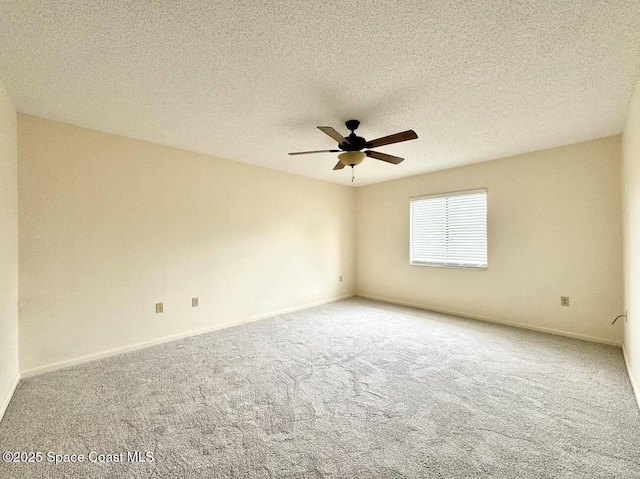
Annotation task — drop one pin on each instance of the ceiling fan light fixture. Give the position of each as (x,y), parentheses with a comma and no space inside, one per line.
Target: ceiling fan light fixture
(352,158)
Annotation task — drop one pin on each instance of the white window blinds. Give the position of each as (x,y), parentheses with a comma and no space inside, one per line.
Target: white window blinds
(449,230)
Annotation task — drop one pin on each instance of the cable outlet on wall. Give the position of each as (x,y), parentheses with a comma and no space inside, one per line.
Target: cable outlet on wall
(159,308)
(564,300)
(194,302)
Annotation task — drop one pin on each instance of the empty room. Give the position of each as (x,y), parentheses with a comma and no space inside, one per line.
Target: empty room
(334,240)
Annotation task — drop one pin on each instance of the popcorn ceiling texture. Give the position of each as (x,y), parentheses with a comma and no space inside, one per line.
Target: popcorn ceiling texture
(249,81)
(355,389)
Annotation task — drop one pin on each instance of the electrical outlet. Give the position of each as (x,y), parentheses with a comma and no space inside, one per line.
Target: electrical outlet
(341,279)
(194,302)
(564,300)
(159,308)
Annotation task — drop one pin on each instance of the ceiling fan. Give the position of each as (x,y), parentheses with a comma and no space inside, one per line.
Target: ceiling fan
(352,145)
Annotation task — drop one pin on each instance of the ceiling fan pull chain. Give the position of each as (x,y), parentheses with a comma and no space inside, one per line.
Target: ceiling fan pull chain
(353,173)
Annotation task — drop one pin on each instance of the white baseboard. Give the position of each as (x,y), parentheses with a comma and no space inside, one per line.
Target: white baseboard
(489,319)
(133,347)
(634,385)
(7,399)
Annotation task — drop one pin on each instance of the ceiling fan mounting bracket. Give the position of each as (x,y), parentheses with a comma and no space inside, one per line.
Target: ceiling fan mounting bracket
(352,125)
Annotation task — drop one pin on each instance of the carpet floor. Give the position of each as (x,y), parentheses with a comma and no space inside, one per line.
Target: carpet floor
(354,389)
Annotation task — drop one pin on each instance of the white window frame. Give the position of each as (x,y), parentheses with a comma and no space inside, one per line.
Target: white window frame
(448,263)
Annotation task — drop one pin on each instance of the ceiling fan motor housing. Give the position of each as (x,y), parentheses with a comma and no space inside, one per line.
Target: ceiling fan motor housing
(354,143)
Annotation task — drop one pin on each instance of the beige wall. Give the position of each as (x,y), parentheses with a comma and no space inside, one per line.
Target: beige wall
(554,229)
(631,218)
(109,226)
(8,250)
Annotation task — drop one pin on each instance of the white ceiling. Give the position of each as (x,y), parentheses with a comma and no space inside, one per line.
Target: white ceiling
(250,80)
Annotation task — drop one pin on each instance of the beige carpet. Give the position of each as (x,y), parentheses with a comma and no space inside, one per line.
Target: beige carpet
(355,389)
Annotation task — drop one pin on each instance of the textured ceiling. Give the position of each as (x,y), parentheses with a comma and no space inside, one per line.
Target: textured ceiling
(250,80)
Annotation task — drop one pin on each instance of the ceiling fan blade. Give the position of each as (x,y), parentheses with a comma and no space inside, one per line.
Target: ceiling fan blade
(397,138)
(333,134)
(339,166)
(316,151)
(384,157)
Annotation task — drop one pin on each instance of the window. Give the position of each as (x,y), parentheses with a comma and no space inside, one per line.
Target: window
(449,230)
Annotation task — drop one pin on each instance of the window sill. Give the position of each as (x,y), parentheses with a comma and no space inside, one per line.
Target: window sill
(453,266)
